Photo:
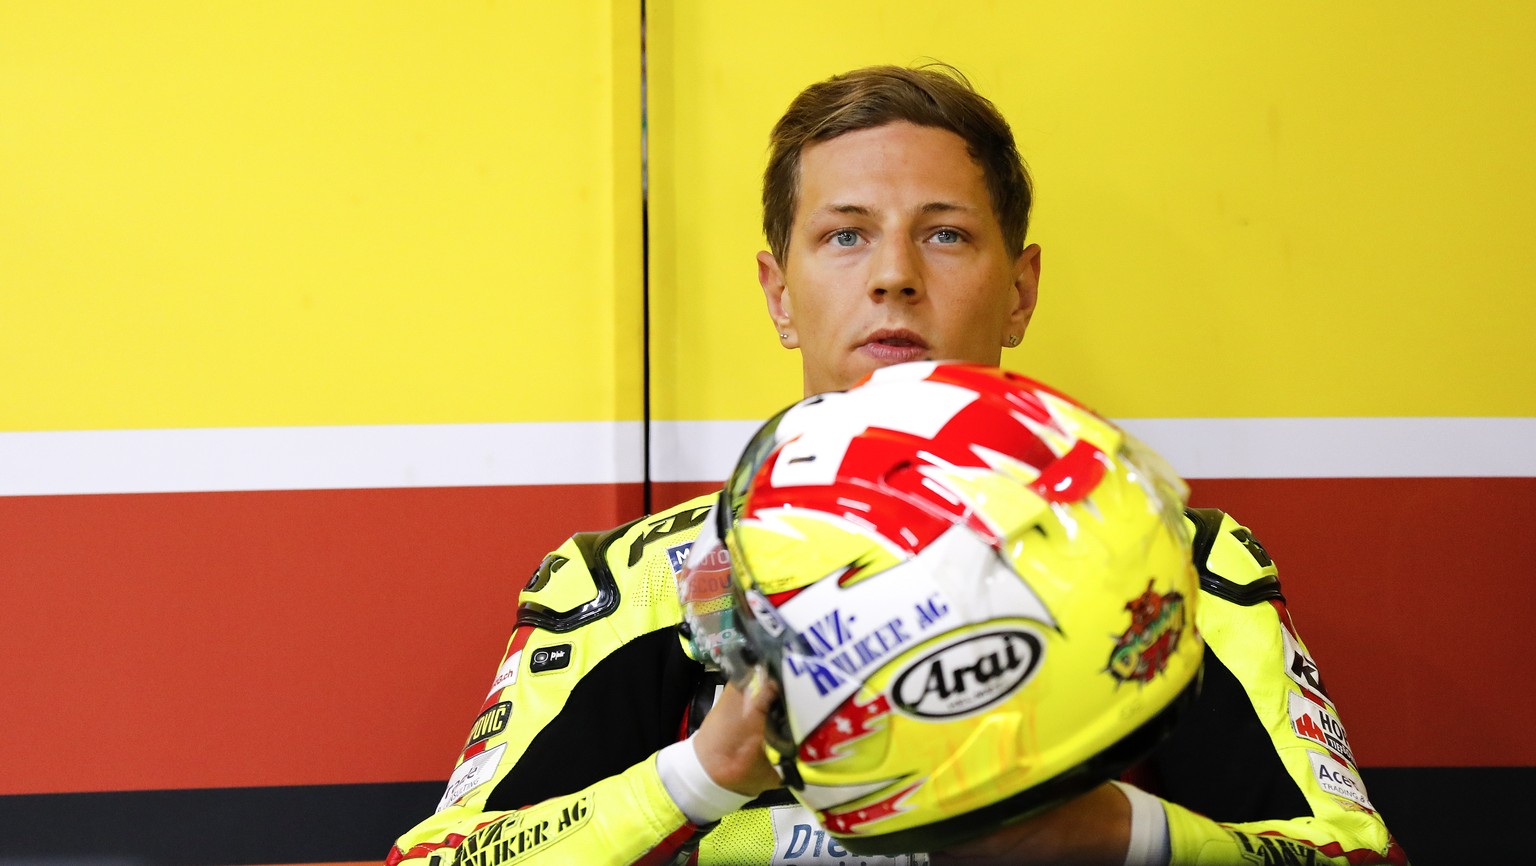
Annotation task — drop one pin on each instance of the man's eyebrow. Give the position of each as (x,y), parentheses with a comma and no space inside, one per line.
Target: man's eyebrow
(848,209)
(929,208)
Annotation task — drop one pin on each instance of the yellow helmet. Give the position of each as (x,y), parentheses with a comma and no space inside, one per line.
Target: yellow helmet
(974,594)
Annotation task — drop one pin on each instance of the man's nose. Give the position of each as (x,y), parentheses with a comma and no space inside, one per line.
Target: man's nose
(896,271)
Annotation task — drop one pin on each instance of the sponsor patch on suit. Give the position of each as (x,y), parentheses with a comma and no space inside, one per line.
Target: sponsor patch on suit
(1336,779)
(549,658)
(798,840)
(471,774)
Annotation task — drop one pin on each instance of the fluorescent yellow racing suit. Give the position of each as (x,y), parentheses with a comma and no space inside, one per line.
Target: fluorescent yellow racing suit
(560,766)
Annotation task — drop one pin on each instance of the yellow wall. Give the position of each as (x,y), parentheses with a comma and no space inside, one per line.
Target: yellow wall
(1304,209)
(366,213)
(294,213)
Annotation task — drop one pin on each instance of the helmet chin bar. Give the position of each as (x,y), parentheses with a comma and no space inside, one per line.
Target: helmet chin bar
(1106,765)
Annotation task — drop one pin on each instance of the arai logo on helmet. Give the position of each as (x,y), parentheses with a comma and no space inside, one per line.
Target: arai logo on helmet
(969,675)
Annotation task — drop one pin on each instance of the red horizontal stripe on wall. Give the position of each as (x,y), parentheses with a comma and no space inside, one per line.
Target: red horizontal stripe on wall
(323,637)
(272,638)
(665,494)
(1417,598)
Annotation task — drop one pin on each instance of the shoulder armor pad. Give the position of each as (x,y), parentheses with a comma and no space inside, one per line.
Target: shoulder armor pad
(1232,564)
(592,548)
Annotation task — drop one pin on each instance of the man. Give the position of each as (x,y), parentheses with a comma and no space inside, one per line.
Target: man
(895,206)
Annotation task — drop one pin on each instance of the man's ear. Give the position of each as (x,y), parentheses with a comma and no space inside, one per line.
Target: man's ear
(1026,284)
(780,309)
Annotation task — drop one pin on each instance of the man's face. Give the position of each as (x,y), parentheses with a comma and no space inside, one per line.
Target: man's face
(895,255)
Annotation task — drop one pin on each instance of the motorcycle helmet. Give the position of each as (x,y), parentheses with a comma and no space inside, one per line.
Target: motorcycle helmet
(974,595)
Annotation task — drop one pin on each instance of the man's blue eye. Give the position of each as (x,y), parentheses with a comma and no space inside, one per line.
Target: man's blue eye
(946,236)
(845,238)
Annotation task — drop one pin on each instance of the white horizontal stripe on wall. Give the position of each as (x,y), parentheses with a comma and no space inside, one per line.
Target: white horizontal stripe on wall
(1343,447)
(1220,447)
(480,455)
(697,450)
(320,458)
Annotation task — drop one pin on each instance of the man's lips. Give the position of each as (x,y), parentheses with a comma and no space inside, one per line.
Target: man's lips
(894,346)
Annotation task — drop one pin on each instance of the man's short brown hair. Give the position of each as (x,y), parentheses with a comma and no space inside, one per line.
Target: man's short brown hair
(935,95)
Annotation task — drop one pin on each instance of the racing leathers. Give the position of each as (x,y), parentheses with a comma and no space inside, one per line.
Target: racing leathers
(560,765)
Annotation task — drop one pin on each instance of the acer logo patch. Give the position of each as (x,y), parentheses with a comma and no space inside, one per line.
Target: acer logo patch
(1337,779)
(969,675)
